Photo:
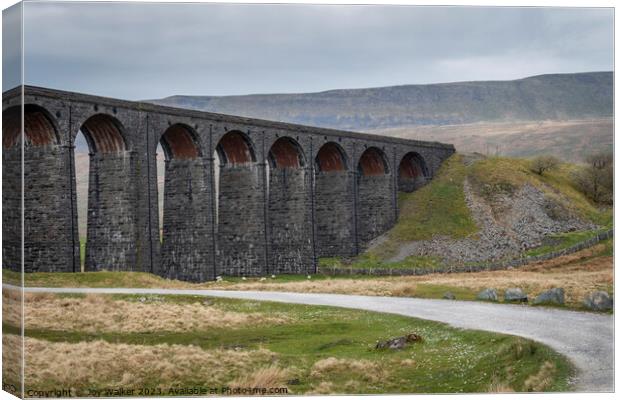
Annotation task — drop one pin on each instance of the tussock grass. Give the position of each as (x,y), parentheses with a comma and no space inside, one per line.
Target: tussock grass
(329,368)
(99,364)
(498,386)
(11,360)
(321,349)
(268,377)
(331,372)
(101,313)
(12,306)
(541,380)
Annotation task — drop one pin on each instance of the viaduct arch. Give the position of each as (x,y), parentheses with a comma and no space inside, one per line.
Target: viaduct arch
(412,172)
(241,196)
(375,188)
(111,231)
(290,233)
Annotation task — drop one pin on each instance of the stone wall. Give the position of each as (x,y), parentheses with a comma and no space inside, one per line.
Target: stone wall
(12,209)
(375,207)
(186,249)
(112,206)
(241,221)
(290,222)
(47,198)
(335,231)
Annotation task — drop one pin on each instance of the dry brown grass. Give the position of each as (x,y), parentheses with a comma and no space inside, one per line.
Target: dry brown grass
(323,387)
(577,273)
(328,367)
(541,380)
(269,377)
(498,386)
(12,307)
(11,359)
(101,313)
(100,364)
(359,374)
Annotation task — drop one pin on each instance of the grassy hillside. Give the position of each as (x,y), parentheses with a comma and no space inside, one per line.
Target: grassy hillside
(436,209)
(439,208)
(544,97)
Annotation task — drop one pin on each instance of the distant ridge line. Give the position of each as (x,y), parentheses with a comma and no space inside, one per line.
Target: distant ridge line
(583,95)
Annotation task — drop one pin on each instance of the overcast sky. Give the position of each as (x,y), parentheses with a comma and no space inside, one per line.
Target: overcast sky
(141,51)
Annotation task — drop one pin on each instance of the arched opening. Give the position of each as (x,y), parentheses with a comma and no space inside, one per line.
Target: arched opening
(372,163)
(330,158)
(185,220)
(111,217)
(412,172)
(39,130)
(103,134)
(234,148)
(375,197)
(286,153)
(334,202)
(180,142)
(240,207)
(290,218)
(48,243)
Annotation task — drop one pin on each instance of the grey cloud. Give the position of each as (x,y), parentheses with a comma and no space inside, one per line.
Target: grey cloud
(11,47)
(153,50)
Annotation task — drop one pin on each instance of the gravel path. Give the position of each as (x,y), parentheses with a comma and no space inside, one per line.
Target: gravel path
(587,339)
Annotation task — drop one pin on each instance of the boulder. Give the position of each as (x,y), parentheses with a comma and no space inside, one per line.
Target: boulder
(515,294)
(551,296)
(598,301)
(487,294)
(449,296)
(413,337)
(398,343)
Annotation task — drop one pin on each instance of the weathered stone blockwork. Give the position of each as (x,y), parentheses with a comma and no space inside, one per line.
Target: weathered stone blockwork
(242,218)
(335,224)
(12,209)
(241,221)
(112,221)
(375,210)
(290,222)
(186,245)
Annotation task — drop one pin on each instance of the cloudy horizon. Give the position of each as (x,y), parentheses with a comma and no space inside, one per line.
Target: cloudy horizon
(143,51)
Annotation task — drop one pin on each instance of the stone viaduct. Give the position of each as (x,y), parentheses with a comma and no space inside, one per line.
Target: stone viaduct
(241,196)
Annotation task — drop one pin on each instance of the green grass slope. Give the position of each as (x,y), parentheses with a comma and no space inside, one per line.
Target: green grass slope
(439,208)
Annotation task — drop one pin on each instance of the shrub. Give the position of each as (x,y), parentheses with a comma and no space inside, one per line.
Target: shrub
(596,179)
(541,164)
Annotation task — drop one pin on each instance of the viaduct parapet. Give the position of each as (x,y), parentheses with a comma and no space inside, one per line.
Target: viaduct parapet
(242,196)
